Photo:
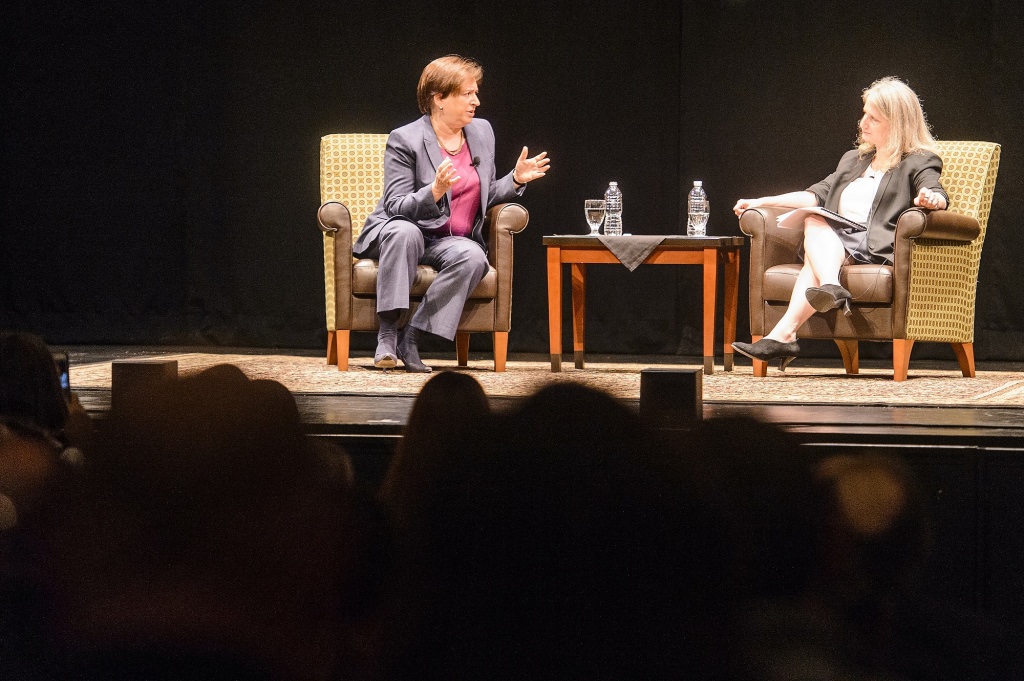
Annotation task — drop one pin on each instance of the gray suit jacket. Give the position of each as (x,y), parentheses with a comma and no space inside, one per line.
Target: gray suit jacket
(896,193)
(410,164)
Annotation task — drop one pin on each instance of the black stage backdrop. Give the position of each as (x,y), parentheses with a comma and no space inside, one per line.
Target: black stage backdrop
(160,159)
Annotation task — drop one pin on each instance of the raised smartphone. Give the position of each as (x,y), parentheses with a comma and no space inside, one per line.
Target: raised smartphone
(63,370)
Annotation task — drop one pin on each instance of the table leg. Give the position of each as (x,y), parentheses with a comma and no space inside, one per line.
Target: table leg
(554,256)
(579,311)
(730,302)
(710,290)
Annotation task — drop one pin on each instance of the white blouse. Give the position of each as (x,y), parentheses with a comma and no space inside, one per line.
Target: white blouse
(856,199)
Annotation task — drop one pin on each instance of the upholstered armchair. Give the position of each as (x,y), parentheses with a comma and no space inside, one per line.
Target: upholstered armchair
(927,295)
(351,183)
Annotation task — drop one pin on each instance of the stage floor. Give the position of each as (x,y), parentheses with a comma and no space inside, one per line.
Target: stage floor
(385,415)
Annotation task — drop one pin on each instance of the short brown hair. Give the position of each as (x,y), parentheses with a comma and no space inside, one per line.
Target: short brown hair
(444,77)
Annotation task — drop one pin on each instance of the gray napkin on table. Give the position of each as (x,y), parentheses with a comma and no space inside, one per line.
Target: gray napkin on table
(631,250)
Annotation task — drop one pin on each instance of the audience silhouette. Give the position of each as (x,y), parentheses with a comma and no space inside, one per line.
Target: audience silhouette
(826,555)
(38,428)
(447,410)
(207,538)
(562,546)
(875,538)
(205,535)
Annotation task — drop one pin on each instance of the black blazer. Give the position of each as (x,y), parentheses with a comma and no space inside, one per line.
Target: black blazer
(896,193)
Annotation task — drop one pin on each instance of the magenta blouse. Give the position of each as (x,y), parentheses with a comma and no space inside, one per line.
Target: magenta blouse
(465,203)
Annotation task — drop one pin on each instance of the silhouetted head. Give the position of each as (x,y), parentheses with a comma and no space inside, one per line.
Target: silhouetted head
(29,384)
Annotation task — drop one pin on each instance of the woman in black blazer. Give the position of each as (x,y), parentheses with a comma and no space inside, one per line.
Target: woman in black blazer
(439,181)
(894,167)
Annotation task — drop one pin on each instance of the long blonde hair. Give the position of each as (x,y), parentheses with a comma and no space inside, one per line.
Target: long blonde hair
(909,131)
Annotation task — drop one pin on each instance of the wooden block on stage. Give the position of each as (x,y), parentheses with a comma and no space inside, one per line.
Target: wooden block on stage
(132,380)
(671,398)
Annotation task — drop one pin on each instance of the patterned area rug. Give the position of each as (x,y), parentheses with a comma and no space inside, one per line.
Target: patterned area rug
(312,375)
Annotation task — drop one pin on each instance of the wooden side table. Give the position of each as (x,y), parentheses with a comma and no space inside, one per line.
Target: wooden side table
(579,251)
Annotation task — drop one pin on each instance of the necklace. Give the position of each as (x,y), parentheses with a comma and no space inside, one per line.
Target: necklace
(462,140)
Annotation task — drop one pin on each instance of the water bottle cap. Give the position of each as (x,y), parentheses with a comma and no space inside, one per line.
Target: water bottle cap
(698,183)
(613,184)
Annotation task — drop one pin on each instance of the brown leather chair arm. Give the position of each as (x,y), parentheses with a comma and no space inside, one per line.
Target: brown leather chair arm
(770,244)
(917,223)
(336,223)
(333,217)
(500,223)
(945,225)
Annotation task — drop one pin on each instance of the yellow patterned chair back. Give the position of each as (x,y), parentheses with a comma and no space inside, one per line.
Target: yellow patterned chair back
(944,275)
(969,172)
(352,172)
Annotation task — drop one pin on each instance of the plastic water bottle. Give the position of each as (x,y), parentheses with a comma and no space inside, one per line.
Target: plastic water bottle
(613,210)
(697,209)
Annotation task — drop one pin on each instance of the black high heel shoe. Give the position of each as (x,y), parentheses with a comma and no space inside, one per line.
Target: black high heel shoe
(767,349)
(829,297)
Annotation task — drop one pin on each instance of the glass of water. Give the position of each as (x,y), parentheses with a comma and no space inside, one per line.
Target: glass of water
(593,209)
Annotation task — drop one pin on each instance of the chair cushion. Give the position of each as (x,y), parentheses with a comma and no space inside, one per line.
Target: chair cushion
(867,283)
(364,281)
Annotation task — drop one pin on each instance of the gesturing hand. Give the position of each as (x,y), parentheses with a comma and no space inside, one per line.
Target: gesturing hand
(926,198)
(528,169)
(743,204)
(446,176)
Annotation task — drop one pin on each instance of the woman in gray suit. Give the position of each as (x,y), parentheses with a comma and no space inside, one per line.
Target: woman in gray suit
(439,181)
(893,168)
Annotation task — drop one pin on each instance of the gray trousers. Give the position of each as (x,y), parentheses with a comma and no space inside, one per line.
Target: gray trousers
(460,263)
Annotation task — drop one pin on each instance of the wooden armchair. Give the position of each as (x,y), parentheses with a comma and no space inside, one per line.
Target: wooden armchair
(928,294)
(351,183)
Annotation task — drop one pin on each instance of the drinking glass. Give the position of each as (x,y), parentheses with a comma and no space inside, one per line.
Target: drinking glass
(593,209)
